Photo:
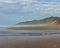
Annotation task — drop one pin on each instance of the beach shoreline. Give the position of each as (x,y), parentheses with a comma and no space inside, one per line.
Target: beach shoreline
(36,28)
(34,42)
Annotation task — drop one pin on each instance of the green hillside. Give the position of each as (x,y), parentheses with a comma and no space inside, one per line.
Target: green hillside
(50,20)
(56,21)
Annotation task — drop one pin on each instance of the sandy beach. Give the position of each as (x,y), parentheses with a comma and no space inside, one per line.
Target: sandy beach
(14,39)
(34,42)
(36,28)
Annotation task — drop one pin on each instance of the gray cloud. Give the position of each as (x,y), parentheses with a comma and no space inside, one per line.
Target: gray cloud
(21,6)
(33,9)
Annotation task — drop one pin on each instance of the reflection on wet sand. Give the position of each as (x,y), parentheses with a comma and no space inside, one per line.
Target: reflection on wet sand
(33,42)
(29,39)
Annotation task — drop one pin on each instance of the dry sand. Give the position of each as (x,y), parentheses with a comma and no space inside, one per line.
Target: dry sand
(37,28)
(46,42)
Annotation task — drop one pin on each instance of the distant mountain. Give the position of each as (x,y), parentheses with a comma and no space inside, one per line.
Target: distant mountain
(50,20)
(56,21)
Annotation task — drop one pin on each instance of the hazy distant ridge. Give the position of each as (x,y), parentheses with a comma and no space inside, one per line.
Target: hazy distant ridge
(49,20)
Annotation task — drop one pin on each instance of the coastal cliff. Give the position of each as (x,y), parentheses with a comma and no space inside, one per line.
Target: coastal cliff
(49,21)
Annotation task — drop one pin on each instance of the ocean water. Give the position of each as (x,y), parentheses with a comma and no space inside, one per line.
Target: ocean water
(7,35)
(9,32)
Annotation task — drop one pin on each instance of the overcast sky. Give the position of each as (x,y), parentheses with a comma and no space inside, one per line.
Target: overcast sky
(14,11)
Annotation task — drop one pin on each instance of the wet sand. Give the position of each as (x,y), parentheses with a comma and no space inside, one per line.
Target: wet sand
(42,41)
(52,41)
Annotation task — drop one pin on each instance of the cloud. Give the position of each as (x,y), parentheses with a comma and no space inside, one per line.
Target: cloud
(21,6)
(33,9)
(15,1)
